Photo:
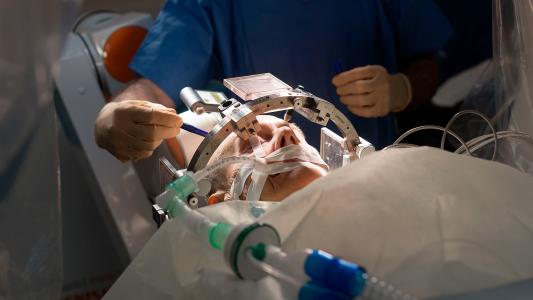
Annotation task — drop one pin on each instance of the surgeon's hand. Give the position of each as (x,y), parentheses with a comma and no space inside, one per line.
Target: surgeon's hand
(132,129)
(371,91)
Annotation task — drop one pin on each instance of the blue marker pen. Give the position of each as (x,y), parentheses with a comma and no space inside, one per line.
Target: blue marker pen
(193,129)
(338,66)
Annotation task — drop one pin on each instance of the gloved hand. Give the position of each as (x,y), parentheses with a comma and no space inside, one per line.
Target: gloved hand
(132,129)
(371,91)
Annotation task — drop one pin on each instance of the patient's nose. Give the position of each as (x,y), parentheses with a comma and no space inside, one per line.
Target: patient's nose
(284,136)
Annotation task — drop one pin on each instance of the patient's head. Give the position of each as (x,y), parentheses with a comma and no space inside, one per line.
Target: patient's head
(275,134)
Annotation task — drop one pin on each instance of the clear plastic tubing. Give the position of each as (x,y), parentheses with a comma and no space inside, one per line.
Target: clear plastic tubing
(256,146)
(258,177)
(220,164)
(214,234)
(321,272)
(331,272)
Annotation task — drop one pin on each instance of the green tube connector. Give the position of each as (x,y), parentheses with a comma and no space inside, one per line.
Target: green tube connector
(218,235)
(259,251)
(176,207)
(183,186)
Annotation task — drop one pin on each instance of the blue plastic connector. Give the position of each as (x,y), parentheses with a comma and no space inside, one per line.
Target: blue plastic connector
(335,273)
(316,291)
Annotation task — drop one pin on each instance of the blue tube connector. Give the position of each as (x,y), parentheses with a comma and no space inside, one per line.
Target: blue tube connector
(316,291)
(335,273)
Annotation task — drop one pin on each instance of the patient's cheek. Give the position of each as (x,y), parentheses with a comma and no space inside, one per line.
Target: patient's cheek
(298,179)
(304,176)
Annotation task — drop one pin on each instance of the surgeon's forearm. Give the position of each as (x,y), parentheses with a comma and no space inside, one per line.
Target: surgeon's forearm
(144,89)
(423,74)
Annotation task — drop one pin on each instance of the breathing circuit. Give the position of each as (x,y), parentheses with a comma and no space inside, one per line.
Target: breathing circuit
(253,251)
(172,200)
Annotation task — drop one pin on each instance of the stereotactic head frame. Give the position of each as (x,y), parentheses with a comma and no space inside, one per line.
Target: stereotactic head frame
(241,118)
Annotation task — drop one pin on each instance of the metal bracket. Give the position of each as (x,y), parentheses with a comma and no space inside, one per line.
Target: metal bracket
(159,215)
(195,103)
(242,117)
(244,122)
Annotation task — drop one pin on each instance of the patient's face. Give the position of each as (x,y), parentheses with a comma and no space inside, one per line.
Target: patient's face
(275,134)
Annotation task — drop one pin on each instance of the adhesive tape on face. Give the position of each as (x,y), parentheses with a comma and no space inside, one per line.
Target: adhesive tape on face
(276,162)
(299,152)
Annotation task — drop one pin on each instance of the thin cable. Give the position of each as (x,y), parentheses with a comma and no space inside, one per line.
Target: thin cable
(473,112)
(434,127)
(377,289)
(401,145)
(280,275)
(270,270)
(500,135)
(479,139)
(482,141)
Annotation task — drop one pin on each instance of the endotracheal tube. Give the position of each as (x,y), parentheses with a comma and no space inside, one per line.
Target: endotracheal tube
(311,274)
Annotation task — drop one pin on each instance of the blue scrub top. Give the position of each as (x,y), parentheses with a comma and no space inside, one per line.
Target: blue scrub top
(193,41)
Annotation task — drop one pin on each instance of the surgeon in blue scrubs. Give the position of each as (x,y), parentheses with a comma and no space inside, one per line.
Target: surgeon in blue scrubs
(387,50)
